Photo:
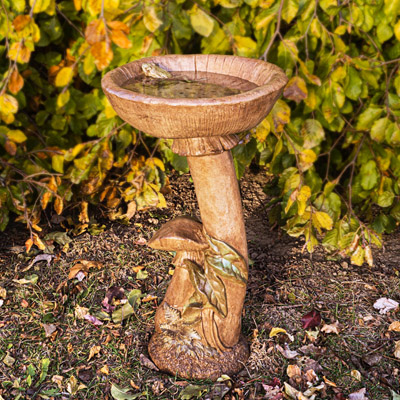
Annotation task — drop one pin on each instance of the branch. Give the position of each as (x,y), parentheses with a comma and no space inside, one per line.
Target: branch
(277,31)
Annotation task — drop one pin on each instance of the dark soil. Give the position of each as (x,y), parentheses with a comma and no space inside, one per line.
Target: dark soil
(285,283)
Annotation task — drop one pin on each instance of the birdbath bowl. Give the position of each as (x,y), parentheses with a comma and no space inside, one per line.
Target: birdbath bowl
(198,324)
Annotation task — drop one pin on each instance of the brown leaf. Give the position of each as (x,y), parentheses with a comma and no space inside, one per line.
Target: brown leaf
(21,21)
(397,349)
(11,147)
(102,54)
(296,89)
(49,329)
(118,25)
(57,379)
(120,39)
(332,328)
(95,31)
(293,371)
(394,326)
(16,82)
(147,363)
(58,205)
(113,292)
(83,215)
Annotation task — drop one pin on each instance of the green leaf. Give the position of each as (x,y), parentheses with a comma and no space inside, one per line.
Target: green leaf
(369,175)
(120,393)
(312,132)
(378,129)
(353,84)
(201,22)
(385,199)
(384,32)
(368,117)
(191,391)
(44,369)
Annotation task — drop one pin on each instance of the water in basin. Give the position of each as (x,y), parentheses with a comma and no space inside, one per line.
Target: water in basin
(189,84)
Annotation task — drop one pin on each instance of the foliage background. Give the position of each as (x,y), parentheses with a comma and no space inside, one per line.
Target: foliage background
(331,144)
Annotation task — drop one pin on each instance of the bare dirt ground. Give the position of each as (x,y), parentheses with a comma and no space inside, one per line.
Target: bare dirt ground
(48,349)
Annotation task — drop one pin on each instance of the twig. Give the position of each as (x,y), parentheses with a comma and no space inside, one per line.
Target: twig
(277,31)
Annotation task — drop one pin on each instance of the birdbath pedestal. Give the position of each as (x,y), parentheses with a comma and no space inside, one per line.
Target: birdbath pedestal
(198,324)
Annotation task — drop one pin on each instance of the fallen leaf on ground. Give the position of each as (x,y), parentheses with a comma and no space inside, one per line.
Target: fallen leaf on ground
(142,274)
(147,363)
(332,328)
(328,382)
(93,351)
(356,375)
(397,349)
(92,320)
(105,370)
(57,379)
(80,312)
(84,266)
(394,326)
(395,395)
(276,331)
(120,393)
(293,371)
(141,241)
(40,257)
(385,305)
(312,335)
(286,352)
(359,395)
(28,280)
(73,386)
(1,302)
(114,292)
(8,360)
(149,298)
(311,376)
(291,391)
(3,292)
(24,303)
(49,329)
(192,391)
(137,268)
(311,319)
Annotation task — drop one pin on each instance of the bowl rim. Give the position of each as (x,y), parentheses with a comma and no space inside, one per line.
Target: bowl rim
(276,81)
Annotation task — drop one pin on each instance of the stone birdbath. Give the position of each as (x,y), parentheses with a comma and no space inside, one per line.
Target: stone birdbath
(198,324)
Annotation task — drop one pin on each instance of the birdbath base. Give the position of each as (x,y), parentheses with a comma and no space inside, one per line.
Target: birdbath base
(205,364)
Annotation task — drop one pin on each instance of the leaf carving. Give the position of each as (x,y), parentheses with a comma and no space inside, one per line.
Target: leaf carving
(225,261)
(209,286)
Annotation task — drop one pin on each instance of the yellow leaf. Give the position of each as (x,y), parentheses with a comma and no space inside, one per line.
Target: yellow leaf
(161,201)
(307,158)
(93,351)
(93,6)
(39,5)
(57,163)
(64,76)
(150,19)
(16,136)
(63,98)
(357,258)
(105,370)
(36,240)
(78,5)
(28,245)
(276,331)
(355,374)
(80,312)
(397,30)
(111,5)
(328,382)
(130,212)
(120,39)
(304,194)
(19,52)
(102,54)
(280,115)
(263,130)
(201,22)
(8,104)
(88,64)
(322,220)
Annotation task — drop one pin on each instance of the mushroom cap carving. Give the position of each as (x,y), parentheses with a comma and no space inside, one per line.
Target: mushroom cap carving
(180,234)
